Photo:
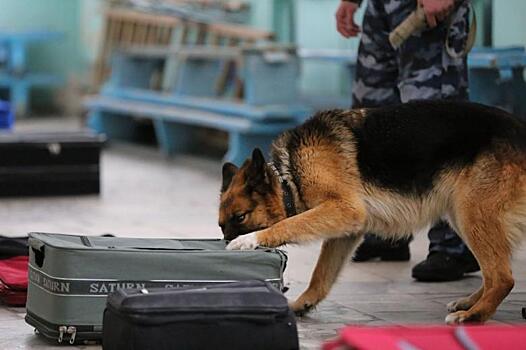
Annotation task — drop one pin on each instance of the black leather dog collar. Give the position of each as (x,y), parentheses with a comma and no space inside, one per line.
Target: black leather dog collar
(288,196)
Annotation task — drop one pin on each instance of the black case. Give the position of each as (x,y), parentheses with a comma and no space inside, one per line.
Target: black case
(43,164)
(243,315)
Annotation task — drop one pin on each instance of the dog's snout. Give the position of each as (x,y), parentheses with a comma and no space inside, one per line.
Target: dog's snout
(228,233)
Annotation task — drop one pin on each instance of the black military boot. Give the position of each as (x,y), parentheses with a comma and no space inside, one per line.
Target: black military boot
(440,266)
(387,250)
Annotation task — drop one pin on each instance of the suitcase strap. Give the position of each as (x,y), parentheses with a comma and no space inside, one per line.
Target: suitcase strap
(102,287)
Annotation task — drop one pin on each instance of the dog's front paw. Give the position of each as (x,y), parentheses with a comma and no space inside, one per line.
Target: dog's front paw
(245,242)
(461,317)
(458,305)
(301,307)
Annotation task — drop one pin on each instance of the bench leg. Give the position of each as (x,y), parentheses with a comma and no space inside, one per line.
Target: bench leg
(19,96)
(240,146)
(173,138)
(17,59)
(113,126)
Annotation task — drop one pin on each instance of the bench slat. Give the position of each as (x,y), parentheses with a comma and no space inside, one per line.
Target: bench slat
(182,115)
(230,108)
(31,79)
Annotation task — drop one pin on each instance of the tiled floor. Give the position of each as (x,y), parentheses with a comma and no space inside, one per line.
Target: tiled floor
(147,195)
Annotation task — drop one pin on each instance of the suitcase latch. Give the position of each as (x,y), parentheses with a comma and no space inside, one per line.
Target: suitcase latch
(54,148)
(72,331)
(63,330)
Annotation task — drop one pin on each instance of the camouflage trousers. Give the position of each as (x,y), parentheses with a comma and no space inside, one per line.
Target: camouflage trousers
(420,69)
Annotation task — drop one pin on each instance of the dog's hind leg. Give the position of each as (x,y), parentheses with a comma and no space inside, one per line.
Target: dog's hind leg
(465,303)
(497,281)
(484,231)
(333,255)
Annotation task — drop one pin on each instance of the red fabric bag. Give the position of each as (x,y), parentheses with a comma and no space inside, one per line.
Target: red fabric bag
(395,338)
(13,280)
(492,337)
(429,338)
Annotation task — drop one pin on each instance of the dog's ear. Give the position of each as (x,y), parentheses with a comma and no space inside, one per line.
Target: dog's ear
(257,177)
(258,160)
(229,170)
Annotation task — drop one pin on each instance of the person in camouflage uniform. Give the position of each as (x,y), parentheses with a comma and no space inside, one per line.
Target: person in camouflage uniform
(420,69)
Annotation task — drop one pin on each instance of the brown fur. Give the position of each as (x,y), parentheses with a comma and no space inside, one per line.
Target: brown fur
(484,202)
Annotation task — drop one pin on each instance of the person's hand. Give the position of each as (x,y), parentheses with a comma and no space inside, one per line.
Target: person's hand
(345,19)
(436,10)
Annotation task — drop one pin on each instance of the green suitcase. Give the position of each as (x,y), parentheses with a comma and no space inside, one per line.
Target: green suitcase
(71,275)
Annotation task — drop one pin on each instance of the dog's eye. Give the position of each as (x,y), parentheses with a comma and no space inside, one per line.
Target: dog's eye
(239,218)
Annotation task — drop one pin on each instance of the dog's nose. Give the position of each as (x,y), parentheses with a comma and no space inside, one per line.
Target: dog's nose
(222,228)
(229,236)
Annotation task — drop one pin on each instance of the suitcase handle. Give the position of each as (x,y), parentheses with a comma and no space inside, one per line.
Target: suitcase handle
(161,249)
(40,254)
(38,249)
(86,242)
(152,245)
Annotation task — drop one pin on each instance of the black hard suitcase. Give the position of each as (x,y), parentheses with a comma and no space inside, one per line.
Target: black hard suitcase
(245,315)
(44,164)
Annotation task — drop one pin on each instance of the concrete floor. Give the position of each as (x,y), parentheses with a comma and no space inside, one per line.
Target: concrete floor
(146,195)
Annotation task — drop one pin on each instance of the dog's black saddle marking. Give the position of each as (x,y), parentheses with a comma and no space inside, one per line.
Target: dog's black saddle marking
(404,147)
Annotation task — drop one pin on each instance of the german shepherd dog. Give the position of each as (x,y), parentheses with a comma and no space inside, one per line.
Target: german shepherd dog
(393,171)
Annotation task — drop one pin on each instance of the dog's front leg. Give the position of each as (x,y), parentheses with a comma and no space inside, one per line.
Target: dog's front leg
(334,253)
(338,222)
(331,219)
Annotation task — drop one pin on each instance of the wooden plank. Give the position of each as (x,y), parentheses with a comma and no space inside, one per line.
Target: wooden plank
(240,32)
(143,17)
(166,36)
(203,51)
(161,51)
(151,34)
(127,33)
(328,55)
(29,35)
(32,79)
(202,33)
(224,107)
(100,66)
(180,114)
(140,34)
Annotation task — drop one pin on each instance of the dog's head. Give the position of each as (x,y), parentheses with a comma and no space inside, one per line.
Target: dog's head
(249,201)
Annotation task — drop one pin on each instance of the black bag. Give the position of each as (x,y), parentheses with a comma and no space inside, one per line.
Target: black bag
(49,163)
(244,315)
(13,246)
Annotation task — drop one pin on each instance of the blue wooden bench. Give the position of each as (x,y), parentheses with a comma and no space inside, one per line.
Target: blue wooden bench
(495,75)
(270,102)
(344,58)
(14,75)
